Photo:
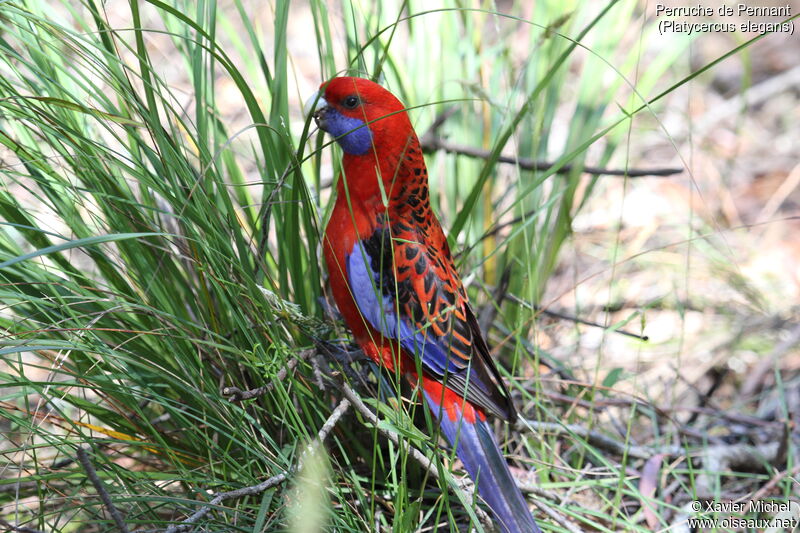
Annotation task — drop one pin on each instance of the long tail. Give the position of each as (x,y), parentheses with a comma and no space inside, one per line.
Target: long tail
(477,449)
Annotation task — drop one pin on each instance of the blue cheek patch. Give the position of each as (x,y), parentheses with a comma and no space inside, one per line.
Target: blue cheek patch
(357,141)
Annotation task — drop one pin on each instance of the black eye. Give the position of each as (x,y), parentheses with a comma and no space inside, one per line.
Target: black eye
(350,102)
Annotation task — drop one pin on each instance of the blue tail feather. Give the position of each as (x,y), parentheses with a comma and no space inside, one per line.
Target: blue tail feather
(478,450)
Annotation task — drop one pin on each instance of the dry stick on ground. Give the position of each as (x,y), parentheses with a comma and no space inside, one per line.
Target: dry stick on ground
(769,485)
(722,458)
(91,473)
(599,440)
(557,517)
(430,142)
(18,529)
(274,481)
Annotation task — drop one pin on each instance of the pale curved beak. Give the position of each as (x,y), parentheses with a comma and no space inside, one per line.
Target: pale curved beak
(314,104)
(317,107)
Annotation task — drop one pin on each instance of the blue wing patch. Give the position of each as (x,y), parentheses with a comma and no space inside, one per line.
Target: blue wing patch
(374,288)
(379,308)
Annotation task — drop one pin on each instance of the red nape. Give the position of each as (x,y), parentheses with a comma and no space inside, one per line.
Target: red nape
(451,402)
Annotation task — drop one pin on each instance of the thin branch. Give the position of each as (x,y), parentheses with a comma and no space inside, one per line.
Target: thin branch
(187,524)
(723,457)
(18,529)
(563,316)
(599,440)
(431,143)
(367,413)
(769,485)
(557,517)
(329,424)
(236,394)
(274,481)
(91,473)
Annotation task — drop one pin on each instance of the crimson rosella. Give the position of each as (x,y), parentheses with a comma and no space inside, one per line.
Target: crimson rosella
(395,284)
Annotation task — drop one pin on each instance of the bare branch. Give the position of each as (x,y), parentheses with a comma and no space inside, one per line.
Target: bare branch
(563,316)
(432,143)
(91,473)
(599,440)
(769,485)
(274,481)
(237,395)
(18,529)
(187,524)
(723,457)
(569,526)
(365,411)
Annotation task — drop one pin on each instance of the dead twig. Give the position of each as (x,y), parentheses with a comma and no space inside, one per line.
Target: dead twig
(91,473)
(237,395)
(722,458)
(18,529)
(430,142)
(563,522)
(555,314)
(187,524)
(433,143)
(274,481)
(769,485)
(599,440)
(372,418)
(329,424)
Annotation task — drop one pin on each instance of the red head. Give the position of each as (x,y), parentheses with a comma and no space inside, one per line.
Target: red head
(362,115)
